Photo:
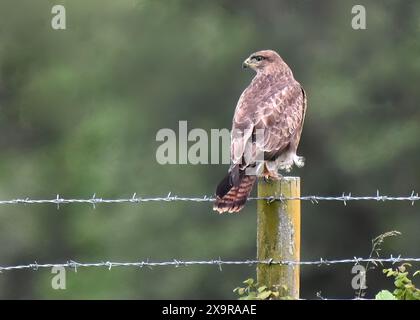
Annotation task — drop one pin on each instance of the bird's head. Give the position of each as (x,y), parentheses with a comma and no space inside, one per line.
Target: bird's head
(265,60)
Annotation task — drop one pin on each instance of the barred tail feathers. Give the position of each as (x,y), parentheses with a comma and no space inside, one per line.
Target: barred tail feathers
(233,191)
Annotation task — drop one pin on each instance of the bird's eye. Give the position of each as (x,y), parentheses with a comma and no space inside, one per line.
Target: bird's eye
(259,58)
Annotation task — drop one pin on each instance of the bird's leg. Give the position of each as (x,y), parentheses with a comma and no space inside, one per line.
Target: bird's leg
(270,175)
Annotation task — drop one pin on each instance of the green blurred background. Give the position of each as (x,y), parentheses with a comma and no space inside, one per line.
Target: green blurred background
(80,108)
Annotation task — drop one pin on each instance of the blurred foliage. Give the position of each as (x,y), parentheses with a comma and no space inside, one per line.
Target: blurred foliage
(80,108)
(255,291)
(404,287)
(375,253)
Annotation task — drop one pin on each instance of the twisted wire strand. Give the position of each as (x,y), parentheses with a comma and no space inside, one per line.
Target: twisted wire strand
(134,199)
(218,262)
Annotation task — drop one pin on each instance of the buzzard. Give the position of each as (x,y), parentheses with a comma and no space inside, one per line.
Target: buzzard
(266,129)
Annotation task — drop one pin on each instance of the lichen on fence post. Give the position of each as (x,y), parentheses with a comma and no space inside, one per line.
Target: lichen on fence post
(278,236)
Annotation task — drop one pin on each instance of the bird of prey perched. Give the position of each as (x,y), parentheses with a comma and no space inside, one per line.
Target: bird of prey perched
(266,129)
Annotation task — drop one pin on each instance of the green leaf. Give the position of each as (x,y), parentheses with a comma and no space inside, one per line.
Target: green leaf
(262,288)
(399,283)
(264,295)
(249,282)
(398,293)
(389,272)
(385,295)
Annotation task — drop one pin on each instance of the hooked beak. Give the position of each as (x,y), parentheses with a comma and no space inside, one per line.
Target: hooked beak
(246,63)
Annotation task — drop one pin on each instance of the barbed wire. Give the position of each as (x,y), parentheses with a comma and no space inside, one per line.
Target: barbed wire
(134,199)
(218,262)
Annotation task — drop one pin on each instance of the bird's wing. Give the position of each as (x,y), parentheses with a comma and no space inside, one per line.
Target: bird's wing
(296,137)
(280,117)
(267,124)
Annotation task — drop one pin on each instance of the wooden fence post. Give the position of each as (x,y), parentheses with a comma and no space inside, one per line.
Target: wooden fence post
(278,235)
